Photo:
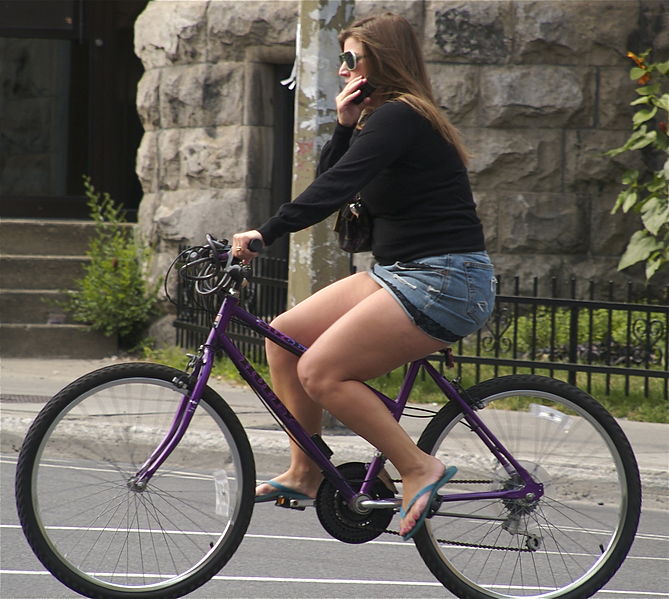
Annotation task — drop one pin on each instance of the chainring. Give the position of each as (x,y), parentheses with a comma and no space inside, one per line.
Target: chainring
(343,523)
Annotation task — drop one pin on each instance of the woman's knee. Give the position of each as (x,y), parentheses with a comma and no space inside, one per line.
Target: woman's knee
(315,376)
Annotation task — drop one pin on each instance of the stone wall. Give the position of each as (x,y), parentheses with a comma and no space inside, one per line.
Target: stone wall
(539,89)
(206,104)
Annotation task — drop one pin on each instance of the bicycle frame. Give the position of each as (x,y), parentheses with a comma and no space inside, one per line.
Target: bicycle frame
(313,446)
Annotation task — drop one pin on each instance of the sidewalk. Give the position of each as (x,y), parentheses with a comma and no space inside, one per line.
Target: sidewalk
(25,384)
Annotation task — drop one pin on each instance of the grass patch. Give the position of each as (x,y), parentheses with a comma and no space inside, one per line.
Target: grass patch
(633,405)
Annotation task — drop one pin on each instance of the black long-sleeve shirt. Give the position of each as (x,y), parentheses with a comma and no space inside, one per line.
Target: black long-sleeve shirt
(412,180)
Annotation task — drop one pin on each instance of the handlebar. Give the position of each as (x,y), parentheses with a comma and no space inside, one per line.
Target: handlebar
(211,268)
(256,246)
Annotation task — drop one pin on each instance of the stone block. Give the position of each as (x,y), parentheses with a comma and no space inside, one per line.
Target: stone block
(213,158)
(259,208)
(223,94)
(412,10)
(616,91)
(259,91)
(577,32)
(548,223)
(587,169)
(146,164)
(148,99)
(469,31)
(258,156)
(146,225)
(503,159)
(456,90)
(186,217)
(526,267)
(610,233)
(233,26)
(169,158)
(201,95)
(653,29)
(536,96)
(487,208)
(168,33)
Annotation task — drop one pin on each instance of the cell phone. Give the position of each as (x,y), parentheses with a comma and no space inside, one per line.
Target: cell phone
(366,90)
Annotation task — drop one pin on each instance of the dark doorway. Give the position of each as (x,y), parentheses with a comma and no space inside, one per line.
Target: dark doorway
(69,91)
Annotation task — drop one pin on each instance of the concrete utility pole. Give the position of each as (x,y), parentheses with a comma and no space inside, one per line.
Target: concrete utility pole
(315,258)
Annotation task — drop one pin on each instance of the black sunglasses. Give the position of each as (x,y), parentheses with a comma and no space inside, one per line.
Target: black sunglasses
(350,58)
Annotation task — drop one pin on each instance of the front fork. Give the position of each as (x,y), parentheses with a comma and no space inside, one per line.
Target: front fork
(193,385)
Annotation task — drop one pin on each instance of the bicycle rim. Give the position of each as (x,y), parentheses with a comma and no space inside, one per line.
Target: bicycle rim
(102,538)
(568,543)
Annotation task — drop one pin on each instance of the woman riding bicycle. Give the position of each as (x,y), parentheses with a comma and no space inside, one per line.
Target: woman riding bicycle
(433,282)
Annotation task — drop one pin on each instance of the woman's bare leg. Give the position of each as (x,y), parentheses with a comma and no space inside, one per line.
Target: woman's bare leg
(305,323)
(372,338)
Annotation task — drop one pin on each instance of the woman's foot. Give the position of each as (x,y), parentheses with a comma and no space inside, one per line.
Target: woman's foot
(305,484)
(416,494)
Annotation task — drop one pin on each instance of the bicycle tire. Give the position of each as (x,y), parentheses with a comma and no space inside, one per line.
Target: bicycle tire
(92,531)
(569,543)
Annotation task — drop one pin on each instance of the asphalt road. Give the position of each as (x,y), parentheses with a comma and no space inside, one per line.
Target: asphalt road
(287,554)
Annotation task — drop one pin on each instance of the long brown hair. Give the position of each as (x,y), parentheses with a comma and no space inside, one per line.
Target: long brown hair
(395,66)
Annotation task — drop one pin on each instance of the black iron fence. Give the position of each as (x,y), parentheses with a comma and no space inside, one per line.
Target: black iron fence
(585,333)
(265,297)
(595,334)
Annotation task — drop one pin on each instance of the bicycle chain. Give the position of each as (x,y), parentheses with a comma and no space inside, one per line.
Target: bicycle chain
(463,543)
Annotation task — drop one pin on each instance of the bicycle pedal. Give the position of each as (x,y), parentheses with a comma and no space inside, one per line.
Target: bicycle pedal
(293,504)
(434,508)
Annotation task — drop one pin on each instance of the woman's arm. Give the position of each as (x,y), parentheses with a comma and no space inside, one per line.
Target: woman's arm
(390,131)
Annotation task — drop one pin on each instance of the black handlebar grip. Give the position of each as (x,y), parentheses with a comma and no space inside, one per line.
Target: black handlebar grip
(256,245)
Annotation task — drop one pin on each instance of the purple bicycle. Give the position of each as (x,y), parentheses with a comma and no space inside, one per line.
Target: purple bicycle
(137,480)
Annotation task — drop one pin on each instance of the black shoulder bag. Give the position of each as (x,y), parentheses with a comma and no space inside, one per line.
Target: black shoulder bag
(354,226)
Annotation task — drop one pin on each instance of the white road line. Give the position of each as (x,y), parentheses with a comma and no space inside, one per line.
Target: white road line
(413,583)
(289,538)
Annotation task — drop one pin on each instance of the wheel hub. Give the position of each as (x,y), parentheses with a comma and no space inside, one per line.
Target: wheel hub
(353,524)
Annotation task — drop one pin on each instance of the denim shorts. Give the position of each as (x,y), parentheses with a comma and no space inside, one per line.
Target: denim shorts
(448,297)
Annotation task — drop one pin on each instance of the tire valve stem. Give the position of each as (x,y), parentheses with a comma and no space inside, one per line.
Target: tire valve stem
(601,548)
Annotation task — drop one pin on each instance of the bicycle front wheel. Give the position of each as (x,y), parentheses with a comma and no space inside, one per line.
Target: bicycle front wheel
(99,534)
(569,542)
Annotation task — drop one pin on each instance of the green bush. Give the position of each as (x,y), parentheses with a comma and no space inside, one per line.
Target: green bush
(604,336)
(646,191)
(113,296)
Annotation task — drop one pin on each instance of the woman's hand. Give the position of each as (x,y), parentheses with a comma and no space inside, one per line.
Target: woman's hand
(240,245)
(348,112)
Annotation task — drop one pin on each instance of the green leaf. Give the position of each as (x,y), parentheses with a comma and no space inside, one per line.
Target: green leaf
(665,170)
(655,215)
(641,116)
(653,264)
(641,141)
(662,102)
(620,200)
(631,177)
(630,200)
(649,90)
(637,73)
(641,100)
(663,67)
(640,246)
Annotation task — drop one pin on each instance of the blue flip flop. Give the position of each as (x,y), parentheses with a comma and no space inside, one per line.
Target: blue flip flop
(281,491)
(432,490)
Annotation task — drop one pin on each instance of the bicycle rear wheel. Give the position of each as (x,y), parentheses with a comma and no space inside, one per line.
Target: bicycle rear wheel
(566,544)
(100,537)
